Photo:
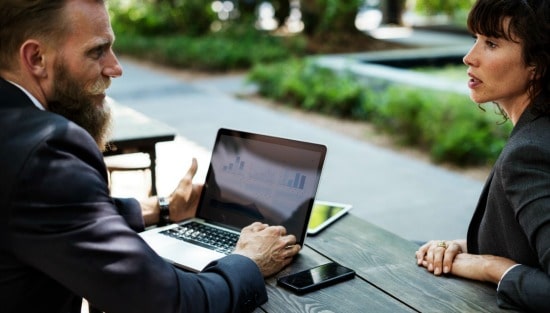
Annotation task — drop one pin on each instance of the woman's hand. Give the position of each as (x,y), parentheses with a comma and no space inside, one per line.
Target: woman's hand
(438,255)
(450,257)
(481,267)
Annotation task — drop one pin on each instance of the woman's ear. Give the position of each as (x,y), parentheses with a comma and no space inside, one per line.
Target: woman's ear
(33,59)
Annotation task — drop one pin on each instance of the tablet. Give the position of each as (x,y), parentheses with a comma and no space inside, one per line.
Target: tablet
(324,213)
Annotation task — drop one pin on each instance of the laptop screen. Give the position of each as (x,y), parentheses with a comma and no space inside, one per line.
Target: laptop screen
(261,178)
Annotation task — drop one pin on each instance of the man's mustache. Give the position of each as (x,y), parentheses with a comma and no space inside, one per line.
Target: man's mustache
(100,86)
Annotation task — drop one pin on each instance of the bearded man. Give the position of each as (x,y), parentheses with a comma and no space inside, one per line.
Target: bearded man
(62,237)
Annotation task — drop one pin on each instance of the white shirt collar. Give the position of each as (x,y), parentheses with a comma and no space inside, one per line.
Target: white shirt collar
(33,99)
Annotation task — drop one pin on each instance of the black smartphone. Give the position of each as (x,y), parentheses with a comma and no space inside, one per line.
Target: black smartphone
(316,277)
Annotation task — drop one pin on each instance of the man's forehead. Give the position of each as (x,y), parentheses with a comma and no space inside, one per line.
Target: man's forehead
(88,20)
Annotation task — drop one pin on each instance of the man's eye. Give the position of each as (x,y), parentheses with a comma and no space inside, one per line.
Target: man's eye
(491,44)
(97,52)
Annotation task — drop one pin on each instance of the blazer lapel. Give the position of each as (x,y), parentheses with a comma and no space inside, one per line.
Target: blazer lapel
(473,229)
(12,97)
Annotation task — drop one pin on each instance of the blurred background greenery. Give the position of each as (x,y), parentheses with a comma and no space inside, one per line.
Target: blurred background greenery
(275,43)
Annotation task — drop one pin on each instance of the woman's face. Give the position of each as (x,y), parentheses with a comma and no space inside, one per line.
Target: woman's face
(498,73)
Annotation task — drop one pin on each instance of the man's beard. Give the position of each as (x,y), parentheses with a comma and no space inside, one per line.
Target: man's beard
(74,101)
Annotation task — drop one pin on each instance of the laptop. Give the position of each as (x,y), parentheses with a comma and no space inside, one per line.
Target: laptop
(251,177)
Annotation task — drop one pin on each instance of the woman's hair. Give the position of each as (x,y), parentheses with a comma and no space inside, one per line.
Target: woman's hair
(530,23)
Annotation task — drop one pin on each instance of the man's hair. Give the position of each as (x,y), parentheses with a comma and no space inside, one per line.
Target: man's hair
(21,20)
(530,23)
(24,19)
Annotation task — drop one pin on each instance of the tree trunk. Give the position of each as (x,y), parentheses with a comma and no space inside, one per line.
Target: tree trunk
(393,10)
(323,16)
(282,10)
(330,27)
(247,8)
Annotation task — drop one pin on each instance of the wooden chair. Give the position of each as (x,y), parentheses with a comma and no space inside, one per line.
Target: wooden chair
(130,162)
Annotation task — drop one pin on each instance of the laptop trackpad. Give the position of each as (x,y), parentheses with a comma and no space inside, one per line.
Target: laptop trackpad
(182,254)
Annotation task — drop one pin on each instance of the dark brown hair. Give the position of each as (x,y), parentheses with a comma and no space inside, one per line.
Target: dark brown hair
(21,20)
(530,23)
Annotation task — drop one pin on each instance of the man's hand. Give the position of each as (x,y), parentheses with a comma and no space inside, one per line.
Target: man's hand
(269,246)
(185,198)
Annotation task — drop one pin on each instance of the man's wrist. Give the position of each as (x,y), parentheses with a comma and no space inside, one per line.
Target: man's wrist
(164,211)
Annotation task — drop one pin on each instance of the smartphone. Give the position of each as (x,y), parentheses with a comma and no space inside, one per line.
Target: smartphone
(316,277)
(325,213)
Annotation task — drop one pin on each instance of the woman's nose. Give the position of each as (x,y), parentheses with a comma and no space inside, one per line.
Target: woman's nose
(469,58)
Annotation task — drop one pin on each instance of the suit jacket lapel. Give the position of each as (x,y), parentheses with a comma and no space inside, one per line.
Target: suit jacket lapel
(12,97)
(473,229)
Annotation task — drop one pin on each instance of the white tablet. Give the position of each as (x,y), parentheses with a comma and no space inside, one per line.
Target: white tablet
(324,213)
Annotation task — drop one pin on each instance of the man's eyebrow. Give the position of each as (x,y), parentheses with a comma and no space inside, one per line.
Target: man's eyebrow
(100,44)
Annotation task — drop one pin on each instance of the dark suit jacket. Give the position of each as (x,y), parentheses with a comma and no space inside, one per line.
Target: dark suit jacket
(512,218)
(62,237)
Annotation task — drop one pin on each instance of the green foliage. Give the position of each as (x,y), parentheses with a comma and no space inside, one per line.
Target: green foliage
(450,7)
(233,48)
(310,87)
(448,125)
(330,15)
(178,33)
(191,17)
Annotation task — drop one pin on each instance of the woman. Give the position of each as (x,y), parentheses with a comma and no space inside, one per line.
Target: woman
(508,241)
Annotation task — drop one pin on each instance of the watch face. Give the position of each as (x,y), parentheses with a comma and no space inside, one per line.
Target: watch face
(164,211)
(163,202)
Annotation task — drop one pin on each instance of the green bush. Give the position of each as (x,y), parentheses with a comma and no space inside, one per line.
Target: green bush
(132,17)
(269,78)
(310,87)
(231,49)
(398,113)
(178,33)
(447,125)
(450,7)
(456,10)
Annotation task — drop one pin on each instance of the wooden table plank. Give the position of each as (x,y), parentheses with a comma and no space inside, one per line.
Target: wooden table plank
(130,125)
(387,261)
(355,295)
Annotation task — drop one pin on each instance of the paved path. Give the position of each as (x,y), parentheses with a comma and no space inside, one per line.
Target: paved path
(408,197)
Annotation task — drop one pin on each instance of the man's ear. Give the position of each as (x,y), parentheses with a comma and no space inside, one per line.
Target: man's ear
(32,55)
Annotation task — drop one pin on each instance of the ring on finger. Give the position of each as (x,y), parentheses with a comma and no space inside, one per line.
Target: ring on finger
(442,244)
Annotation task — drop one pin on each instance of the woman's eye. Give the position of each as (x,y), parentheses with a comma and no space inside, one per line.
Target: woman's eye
(491,44)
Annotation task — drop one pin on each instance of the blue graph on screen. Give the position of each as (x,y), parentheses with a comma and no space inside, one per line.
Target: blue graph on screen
(294,180)
(235,167)
(265,174)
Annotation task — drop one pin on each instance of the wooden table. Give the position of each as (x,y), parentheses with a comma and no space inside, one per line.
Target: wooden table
(387,280)
(134,132)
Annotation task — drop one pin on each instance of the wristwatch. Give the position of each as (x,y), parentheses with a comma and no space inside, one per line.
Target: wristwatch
(164,212)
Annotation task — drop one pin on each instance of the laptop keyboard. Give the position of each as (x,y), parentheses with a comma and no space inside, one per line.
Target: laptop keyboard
(203,235)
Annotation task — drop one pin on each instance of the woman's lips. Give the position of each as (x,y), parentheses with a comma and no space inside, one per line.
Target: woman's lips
(474,82)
